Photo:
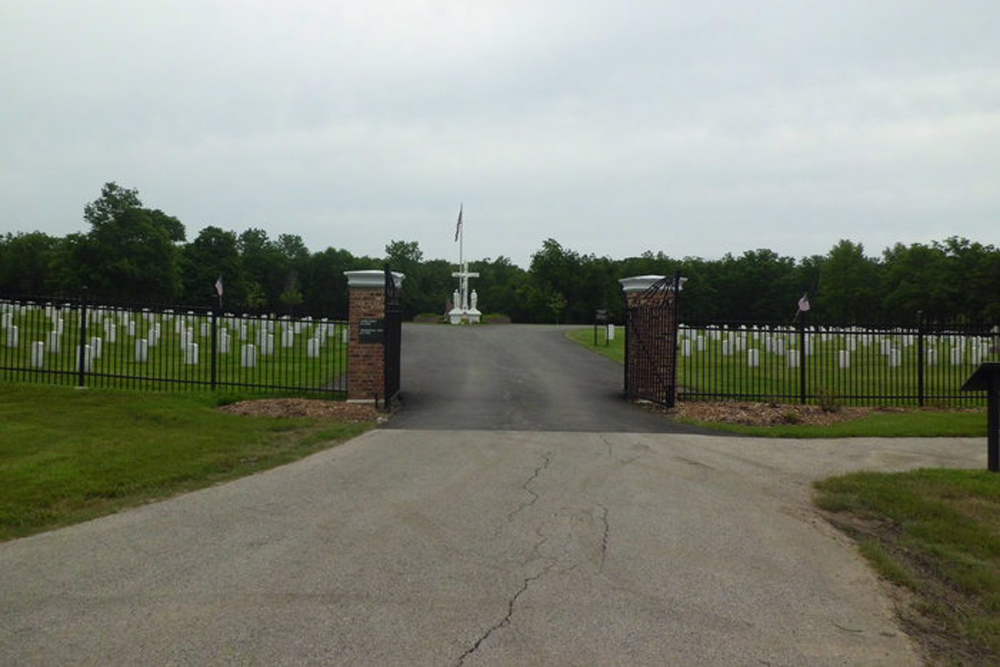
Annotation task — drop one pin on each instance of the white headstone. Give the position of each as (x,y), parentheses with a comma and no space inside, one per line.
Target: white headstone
(288,337)
(268,346)
(753,357)
(845,358)
(96,347)
(224,342)
(312,347)
(895,358)
(38,354)
(248,356)
(54,342)
(141,350)
(793,358)
(84,353)
(13,336)
(191,354)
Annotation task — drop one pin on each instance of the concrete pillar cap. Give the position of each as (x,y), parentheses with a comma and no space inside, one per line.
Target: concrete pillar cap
(643,283)
(372,278)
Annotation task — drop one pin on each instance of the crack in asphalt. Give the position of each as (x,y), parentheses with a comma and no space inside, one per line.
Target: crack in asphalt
(547,457)
(506,619)
(604,537)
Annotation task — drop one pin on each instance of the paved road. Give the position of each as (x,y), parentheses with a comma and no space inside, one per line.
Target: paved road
(477,547)
(517,378)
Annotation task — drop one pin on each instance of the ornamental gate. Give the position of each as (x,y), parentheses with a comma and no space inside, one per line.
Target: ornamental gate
(651,324)
(393,336)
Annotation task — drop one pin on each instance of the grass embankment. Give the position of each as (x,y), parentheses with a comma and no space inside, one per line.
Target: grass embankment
(937,534)
(68,456)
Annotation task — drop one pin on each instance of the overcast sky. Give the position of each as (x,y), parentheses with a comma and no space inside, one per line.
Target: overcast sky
(695,128)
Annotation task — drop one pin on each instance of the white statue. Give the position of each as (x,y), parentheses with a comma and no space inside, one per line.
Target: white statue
(475,298)
(455,301)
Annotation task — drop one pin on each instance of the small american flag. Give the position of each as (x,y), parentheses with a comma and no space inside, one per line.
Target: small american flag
(458,227)
(218,286)
(804,303)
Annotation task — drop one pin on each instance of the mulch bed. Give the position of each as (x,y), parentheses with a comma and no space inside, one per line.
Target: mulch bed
(767,414)
(304,407)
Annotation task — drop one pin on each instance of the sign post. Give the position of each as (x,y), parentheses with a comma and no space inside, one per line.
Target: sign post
(987,378)
(600,317)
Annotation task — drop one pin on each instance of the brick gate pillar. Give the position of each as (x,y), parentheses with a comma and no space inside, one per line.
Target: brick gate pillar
(366,323)
(650,338)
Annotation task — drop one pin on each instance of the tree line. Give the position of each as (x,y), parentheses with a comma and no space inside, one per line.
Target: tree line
(135,254)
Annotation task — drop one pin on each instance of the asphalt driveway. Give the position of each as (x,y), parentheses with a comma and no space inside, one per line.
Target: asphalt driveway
(519,377)
(421,546)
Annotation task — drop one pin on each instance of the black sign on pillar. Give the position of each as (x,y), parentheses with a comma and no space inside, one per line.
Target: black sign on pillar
(987,378)
(371,331)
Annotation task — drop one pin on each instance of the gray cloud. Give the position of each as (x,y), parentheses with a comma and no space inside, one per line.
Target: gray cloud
(692,128)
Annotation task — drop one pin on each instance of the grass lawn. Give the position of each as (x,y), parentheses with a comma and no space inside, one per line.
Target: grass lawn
(882,367)
(68,455)
(284,361)
(936,533)
(909,423)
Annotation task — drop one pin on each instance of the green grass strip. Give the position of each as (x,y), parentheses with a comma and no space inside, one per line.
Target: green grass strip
(937,532)
(70,455)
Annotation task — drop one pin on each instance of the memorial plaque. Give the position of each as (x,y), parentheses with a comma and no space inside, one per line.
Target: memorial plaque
(601,316)
(371,331)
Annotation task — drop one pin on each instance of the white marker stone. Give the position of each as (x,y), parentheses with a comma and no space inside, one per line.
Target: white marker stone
(268,345)
(312,347)
(55,342)
(38,354)
(845,358)
(191,354)
(895,358)
(793,358)
(224,341)
(13,336)
(248,356)
(96,347)
(141,350)
(85,353)
(956,356)
(288,337)
(753,357)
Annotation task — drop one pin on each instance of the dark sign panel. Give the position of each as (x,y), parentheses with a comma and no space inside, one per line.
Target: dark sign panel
(601,316)
(371,331)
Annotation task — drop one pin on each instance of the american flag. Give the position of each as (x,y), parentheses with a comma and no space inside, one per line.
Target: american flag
(804,303)
(218,286)
(458,227)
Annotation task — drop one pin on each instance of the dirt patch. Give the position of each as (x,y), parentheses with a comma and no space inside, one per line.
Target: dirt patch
(304,407)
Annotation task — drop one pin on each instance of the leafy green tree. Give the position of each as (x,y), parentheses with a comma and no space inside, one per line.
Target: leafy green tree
(211,255)
(25,263)
(849,286)
(127,255)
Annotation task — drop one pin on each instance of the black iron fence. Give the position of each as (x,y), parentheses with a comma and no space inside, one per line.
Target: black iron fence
(917,365)
(69,341)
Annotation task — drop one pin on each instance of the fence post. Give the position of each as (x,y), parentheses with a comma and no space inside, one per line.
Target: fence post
(81,355)
(802,358)
(215,345)
(920,359)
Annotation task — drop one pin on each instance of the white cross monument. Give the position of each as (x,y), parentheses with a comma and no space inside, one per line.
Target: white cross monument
(464,304)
